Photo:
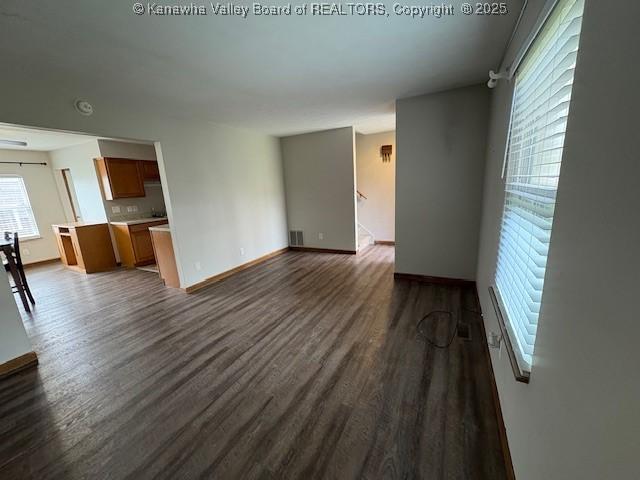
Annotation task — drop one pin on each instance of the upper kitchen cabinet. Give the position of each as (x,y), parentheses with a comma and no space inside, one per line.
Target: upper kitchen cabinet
(150,171)
(121,178)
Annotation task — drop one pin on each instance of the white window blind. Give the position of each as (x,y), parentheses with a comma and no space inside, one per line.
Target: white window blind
(15,210)
(538,121)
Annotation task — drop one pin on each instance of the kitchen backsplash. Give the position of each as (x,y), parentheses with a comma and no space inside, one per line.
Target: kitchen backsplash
(152,203)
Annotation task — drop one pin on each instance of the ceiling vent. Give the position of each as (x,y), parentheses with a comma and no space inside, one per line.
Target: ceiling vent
(295,238)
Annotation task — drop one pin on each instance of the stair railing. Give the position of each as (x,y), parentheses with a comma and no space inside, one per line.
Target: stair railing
(366,230)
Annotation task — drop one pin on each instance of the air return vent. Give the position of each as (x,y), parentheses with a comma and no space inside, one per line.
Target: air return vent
(295,238)
(464,332)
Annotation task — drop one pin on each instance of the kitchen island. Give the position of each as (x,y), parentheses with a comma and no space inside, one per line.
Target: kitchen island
(85,246)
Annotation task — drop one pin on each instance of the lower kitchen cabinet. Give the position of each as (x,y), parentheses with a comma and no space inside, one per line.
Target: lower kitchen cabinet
(134,243)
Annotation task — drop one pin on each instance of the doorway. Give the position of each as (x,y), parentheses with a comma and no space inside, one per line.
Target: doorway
(375,188)
(70,200)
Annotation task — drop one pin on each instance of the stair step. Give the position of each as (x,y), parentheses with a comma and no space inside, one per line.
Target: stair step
(364,241)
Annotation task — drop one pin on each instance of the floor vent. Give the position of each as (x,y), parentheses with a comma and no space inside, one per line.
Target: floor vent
(295,238)
(464,332)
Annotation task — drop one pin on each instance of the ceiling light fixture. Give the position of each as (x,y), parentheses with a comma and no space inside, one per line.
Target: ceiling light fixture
(17,143)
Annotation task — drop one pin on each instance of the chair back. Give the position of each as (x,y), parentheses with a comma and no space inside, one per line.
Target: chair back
(16,251)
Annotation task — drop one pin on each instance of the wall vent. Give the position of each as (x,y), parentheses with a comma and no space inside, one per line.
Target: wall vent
(295,238)
(464,332)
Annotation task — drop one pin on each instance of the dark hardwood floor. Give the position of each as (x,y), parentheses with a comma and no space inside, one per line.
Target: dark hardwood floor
(307,366)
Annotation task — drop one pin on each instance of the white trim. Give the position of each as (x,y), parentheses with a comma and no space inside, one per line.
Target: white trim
(542,18)
(28,204)
(30,238)
(522,363)
(505,156)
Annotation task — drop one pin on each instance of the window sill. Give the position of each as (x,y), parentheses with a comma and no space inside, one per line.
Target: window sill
(30,238)
(520,374)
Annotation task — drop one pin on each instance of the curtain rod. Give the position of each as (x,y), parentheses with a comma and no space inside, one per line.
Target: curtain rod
(26,163)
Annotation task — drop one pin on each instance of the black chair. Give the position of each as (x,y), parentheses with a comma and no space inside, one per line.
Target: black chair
(20,283)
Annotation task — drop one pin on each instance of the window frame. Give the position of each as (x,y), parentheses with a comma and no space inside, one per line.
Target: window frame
(521,367)
(25,237)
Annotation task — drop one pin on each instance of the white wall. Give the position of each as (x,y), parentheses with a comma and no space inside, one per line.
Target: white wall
(441,140)
(377,181)
(13,337)
(121,149)
(227,193)
(79,160)
(223,185)
(578,418)
(319,176)
(153,201)
(44,199)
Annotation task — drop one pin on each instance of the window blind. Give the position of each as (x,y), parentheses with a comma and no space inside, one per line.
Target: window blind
(534,153)
(15,210)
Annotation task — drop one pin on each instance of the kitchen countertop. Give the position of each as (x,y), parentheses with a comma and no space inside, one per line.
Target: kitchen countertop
(77,224)
(160,228)
(139,220)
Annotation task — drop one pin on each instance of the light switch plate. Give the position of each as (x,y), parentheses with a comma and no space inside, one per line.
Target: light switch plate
(115,209)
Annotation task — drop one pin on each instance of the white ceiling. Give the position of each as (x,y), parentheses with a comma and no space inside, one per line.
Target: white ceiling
(43,140)
(279,75)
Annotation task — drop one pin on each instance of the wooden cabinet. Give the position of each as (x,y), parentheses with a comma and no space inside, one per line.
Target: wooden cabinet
(134,243)
(141,242)
(166,260)
(85,246)
(120,177)
(150,171)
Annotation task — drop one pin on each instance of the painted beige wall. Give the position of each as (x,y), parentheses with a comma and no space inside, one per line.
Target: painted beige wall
(319,173)
(45,202)
(230,206)
(79,160)
(93,206)
(229,183)
(377,181)
(441,141)
(153,201)
(121,149)
(578,418)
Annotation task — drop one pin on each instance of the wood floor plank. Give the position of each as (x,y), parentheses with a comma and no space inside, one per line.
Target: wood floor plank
(310,365)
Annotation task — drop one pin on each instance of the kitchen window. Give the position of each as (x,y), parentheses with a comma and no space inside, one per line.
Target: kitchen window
(543,85)
(16,214)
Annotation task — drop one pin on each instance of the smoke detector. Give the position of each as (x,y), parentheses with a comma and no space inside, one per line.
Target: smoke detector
(83,107)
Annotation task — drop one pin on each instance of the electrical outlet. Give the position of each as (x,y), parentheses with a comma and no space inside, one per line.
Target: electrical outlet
(135,208)
(321,236)
(115,209)
(241,252)
(26,251)
(130,209)
(198,266)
